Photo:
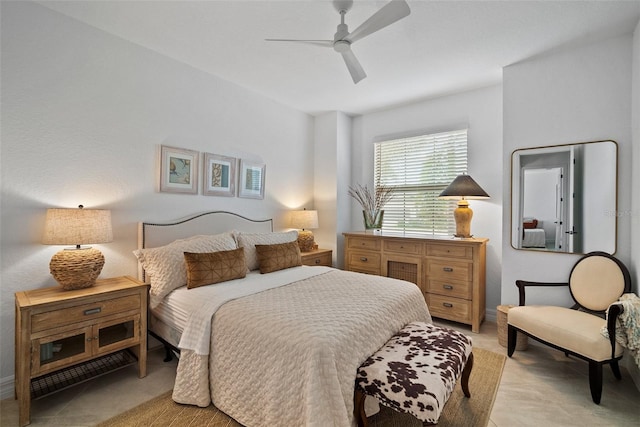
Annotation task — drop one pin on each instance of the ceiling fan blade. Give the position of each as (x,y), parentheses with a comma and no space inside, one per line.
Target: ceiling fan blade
(387,15)
(356,70)
(322,43)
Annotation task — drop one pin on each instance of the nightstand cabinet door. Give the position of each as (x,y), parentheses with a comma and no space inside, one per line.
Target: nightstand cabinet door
(55,351)
(116,334)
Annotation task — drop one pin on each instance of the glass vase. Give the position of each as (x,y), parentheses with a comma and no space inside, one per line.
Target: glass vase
(373,220)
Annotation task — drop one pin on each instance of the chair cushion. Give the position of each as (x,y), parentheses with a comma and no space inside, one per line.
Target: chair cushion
(573,330)
(596,282)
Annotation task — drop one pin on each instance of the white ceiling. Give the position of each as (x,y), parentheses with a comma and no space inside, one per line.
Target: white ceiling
(442,47)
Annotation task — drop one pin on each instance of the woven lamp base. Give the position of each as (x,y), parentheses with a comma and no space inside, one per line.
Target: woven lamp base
(76,268)
(305,240)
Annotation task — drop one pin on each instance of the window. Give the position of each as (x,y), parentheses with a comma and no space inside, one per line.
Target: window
(419,168)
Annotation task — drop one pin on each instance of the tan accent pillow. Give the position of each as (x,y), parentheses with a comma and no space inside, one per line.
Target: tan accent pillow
(278,257)
(214,267)
(165,267)
(249,240)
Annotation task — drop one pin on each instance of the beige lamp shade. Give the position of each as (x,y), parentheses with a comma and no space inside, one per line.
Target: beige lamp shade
(463,188)
(305,220)
(77,267)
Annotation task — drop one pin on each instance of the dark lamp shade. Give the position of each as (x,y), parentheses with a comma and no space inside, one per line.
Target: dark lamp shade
(464,187)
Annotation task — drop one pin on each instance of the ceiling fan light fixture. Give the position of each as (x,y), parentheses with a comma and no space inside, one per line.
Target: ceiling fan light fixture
(341,46)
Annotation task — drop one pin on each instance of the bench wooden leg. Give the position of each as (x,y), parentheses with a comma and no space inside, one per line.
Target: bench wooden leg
(466,373)
(358,408)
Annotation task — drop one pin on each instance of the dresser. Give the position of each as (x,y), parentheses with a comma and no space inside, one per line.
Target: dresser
(64,337)
(450,272)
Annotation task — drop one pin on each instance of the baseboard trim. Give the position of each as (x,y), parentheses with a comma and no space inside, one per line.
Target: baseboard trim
(7,387)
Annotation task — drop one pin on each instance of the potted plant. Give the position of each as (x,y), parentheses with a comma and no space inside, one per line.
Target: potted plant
(372,203)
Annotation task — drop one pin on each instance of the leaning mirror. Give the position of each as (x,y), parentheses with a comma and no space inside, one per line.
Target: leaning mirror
(564,198)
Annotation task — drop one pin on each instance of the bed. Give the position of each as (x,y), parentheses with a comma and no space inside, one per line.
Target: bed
(274,349)
(533,238)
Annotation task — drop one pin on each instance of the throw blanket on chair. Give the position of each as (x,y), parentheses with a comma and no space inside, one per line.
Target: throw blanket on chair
(628,325)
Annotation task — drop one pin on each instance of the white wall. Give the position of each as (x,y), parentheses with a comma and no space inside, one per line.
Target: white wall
(332,166)
(578,95)
(635,192)
(479,110)
(83,116)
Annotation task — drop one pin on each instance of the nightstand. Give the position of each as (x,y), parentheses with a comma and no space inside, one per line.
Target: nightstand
(317,257)
(64,336)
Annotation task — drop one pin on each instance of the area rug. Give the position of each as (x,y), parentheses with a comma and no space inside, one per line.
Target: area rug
(459,411)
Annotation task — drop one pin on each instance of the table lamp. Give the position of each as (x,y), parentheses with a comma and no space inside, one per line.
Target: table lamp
(80,266)
(305,220)
(463,188)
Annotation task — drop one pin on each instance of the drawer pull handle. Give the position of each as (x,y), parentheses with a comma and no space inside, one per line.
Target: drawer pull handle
(92,311)
(317,261)
(447,304)
(447,269)
(448,287)
(363,259)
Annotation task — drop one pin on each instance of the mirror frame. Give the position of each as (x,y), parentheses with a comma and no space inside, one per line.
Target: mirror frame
(516,191)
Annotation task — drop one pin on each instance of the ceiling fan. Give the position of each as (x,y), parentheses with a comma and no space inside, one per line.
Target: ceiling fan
(343,39)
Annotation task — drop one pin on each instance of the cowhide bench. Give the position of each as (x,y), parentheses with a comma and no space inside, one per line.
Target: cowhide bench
(415,372)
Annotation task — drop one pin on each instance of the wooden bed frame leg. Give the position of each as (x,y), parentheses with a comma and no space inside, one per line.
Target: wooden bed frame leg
(358,408)
(466,373)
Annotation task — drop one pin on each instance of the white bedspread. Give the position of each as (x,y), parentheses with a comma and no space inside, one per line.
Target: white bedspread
(534,238)
(288,356)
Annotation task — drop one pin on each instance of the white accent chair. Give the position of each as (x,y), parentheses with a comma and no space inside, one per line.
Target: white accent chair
(596,282)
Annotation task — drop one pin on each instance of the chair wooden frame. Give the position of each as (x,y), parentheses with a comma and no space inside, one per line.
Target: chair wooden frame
(595,367)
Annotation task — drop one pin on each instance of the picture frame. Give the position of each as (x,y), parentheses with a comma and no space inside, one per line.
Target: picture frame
(178,170)
(251,179)
(220,175)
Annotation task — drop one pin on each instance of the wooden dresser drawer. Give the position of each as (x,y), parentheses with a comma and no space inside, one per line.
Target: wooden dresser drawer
(366,262)
(363,243)
(403,246)
(443,307)
(449,288)
(449,270)
(450,251)
(87,311)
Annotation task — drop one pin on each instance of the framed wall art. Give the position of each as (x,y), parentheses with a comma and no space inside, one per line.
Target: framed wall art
(251,180)
(178,170)
(220,175)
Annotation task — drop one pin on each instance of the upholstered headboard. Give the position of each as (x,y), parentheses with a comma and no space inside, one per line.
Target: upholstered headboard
(151,235)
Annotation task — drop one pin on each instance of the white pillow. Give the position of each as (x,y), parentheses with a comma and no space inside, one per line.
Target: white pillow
(166,267)
(248,241)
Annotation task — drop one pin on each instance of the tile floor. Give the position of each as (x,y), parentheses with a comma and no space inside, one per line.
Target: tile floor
(539,387)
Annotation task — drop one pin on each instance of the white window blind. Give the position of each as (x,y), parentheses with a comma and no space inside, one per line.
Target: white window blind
(419,168)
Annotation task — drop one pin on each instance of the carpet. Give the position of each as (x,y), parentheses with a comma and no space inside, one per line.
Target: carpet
(459,411)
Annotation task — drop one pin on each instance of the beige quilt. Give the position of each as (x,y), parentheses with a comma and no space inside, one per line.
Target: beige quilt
(288,356)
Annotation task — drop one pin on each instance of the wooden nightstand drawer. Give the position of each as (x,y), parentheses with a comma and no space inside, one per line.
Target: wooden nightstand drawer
(449,288)
(87,311)
(455,309)
(449,270)
(318,257)
(450,251)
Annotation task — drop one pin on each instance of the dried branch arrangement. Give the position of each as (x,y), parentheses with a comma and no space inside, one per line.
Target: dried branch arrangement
(371,202)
